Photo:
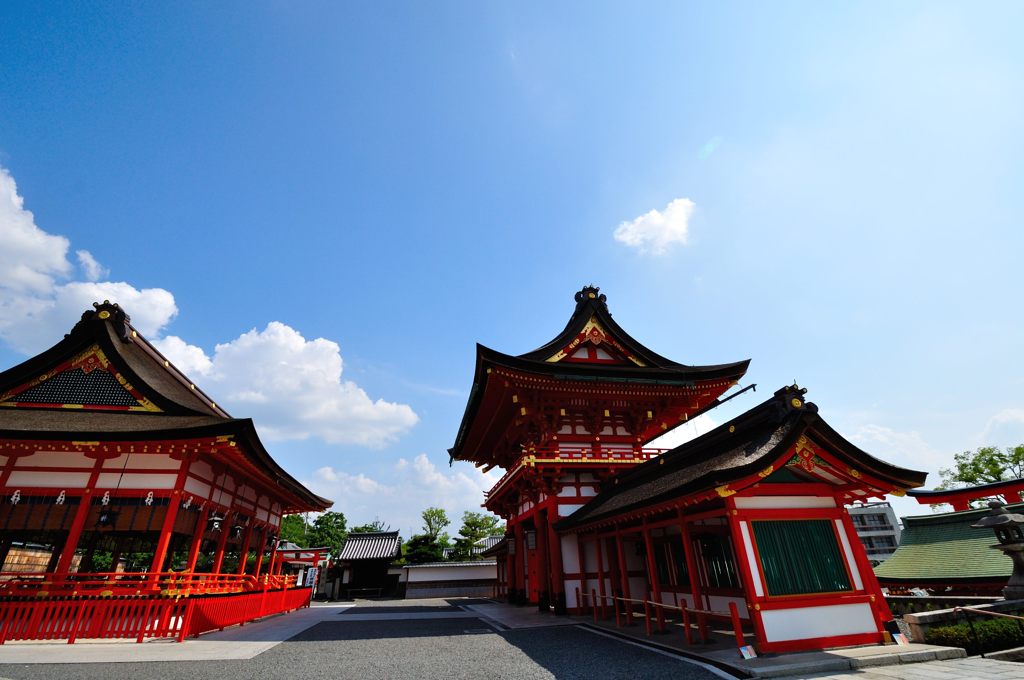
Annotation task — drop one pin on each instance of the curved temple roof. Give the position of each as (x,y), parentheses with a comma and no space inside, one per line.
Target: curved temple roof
(638,365)
(736,450)
(105,382)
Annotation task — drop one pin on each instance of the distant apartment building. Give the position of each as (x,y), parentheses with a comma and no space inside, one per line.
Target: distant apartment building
(877,528)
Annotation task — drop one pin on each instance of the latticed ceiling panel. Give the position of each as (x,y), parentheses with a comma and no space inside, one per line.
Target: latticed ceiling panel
(75,386)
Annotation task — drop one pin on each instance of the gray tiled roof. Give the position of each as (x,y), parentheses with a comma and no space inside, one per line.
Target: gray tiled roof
(379,545)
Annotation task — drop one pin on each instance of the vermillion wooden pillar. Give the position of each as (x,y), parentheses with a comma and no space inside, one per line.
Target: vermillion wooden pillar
(623,571)
(243,554)
(197,539)
(166,531)
(691,563)
(652,567)
(520,565)
(510,560)
(540,533)
(222,542)
(557,572)
(599,545)
(67,555)
(261,547)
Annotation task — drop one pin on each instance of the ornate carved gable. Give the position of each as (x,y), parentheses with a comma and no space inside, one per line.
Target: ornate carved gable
(595,345)
(88,381)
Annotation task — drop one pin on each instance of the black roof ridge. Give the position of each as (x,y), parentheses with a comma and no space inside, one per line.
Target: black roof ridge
(591,303)
(988,486)
(784,415)
(109,327)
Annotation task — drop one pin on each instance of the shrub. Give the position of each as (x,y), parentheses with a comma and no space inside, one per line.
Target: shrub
(989,635)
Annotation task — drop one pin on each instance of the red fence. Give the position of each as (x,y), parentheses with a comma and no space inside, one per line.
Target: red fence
(140,617)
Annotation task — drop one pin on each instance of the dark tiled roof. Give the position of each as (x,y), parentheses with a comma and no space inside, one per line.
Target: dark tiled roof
(379,545)
(470,563)
(184,410)
(590,304)
(943,547)
(732,451)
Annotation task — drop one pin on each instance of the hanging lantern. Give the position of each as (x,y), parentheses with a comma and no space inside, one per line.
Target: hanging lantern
(107,518)
(215,522)
(236,530)
(270,540)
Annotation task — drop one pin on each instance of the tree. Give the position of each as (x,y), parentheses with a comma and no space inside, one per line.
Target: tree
(434,522)
(293,530)
(423,548)
(328,530)
(986,465)
(476,526)
(372,527)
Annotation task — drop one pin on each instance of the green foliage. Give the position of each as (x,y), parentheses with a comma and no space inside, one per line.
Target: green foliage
(992,635)
(986,465)
(476,526)
(423,548)
(328,530)
(434,522)
(293,530)
(372,527)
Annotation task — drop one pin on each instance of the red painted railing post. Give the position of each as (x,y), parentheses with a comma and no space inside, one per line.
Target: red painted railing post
(737,627)
(686,626)
(647,618)
(593,600)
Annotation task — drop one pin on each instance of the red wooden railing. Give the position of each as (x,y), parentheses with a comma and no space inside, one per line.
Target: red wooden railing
(111,584)
(141,616)
(611,455)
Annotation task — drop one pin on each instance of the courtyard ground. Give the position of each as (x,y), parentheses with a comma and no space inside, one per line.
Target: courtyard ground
(413,639)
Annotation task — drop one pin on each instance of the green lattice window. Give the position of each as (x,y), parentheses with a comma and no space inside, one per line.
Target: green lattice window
(800,557)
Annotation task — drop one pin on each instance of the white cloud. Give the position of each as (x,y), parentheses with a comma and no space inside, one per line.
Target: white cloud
(678,436)
(37,305)
(411,487)
(30,259)
(292,388)
(1005,428)
(656,231)
(92,269)
(905,449)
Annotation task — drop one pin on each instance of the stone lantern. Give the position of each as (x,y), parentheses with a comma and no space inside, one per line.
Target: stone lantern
(1007,527)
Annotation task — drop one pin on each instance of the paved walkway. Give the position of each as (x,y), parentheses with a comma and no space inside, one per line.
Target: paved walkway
(444,639)
(441,638)
(955,669)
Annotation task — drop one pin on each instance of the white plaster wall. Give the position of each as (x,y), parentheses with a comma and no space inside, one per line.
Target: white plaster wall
(814,622)
(71,480)
(570,554)
(455,572)
(198,488)
(54,459)
(136,481)
(570,592)
(785,502)
(720,603)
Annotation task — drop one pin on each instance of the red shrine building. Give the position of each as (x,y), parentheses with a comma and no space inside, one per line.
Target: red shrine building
(158,510)
(746,522)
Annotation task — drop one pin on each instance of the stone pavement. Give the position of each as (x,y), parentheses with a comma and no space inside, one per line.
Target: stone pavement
(456,638)
(974,668)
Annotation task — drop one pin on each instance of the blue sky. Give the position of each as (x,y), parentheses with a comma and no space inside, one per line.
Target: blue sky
(277,192)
